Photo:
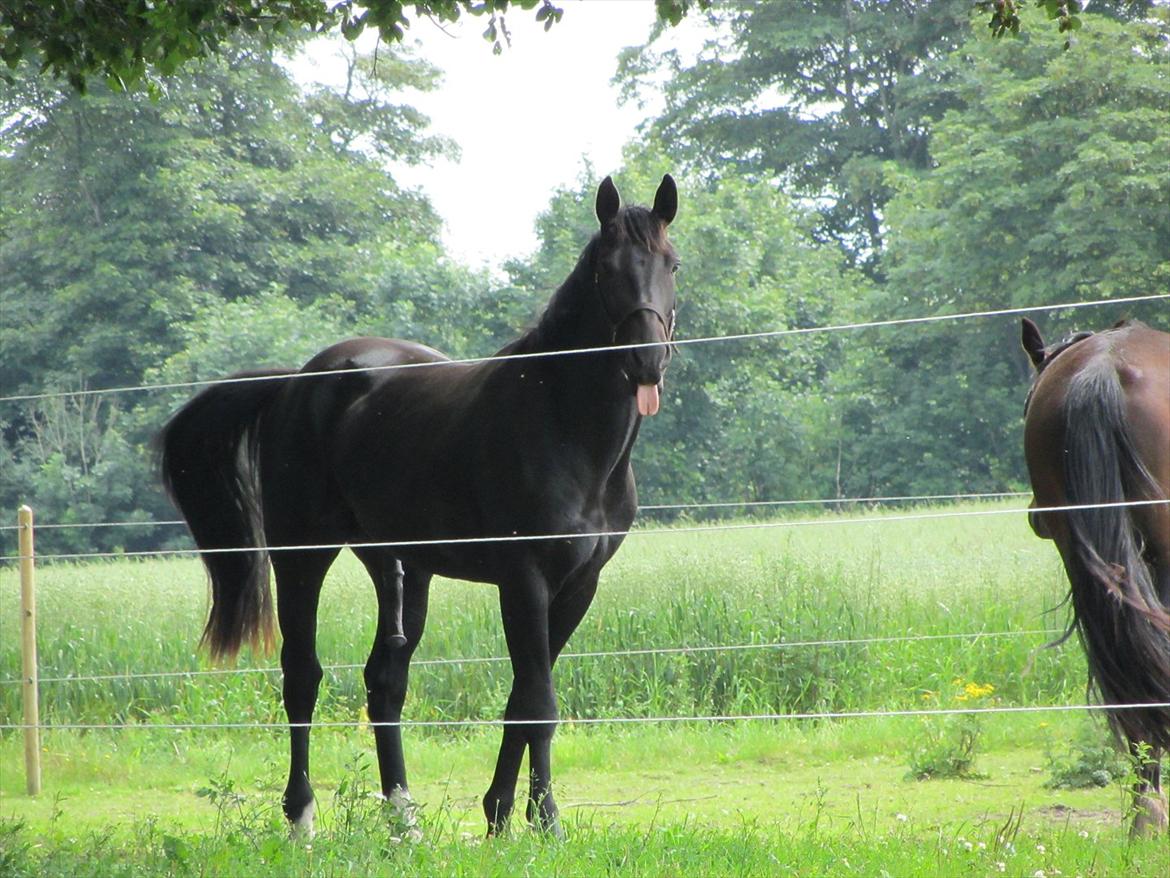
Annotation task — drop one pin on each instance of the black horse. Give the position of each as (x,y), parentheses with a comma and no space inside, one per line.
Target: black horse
(433,450)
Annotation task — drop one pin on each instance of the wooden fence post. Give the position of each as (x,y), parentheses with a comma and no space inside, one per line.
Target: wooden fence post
(28,653)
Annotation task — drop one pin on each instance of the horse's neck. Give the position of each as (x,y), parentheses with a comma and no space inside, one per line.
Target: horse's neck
(590,394)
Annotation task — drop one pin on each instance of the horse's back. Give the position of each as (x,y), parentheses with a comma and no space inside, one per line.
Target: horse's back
(371,352)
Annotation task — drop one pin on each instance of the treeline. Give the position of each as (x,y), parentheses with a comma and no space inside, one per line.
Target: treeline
(840,164)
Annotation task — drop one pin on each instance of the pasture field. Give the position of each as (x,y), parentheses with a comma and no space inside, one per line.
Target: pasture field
(781,796)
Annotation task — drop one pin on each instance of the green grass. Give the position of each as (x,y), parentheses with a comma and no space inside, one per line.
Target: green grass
(828,581)
(784,797)
(733,799)
(742,799)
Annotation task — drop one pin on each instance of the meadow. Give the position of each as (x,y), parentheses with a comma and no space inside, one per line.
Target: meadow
(858,612)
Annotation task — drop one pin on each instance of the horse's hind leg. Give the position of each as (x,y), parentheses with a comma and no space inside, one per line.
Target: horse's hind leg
(402,614)
(298,588)
(1149,804)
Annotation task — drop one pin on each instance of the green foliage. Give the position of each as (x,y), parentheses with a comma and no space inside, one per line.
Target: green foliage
(121,214)
(1090,760)
(948,752)
(229,223)
(811,94)
(74,461)
(133,43)
(1050,181)
(1049,185)
(1005,15)
(949,744)
(818,95)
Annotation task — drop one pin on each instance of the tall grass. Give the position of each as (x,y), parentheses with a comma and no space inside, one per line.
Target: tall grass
(827,578)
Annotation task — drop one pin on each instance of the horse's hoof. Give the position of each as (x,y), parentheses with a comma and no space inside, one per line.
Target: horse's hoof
(301,827)
(545,822)
(553,829)
(1150,819)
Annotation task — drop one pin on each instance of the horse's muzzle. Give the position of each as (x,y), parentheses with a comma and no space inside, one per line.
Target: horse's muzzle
(645,366)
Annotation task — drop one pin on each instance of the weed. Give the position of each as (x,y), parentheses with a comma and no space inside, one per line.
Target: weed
(1089,761)
(950,744)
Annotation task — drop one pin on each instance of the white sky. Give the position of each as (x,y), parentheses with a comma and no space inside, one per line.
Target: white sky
(525,120)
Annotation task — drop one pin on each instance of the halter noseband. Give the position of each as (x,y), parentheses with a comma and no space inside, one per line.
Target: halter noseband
(667,322)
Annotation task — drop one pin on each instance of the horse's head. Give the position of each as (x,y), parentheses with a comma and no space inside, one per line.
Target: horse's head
(633,272)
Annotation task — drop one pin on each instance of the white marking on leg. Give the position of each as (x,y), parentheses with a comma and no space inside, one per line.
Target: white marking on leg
(302,826)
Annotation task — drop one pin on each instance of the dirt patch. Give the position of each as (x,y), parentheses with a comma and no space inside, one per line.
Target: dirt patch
(1059,813)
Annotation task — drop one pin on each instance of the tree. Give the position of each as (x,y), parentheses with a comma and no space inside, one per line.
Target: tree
(125,43)
(1051,185)
(812,96)
(129,43)
(119,214)
(817,96)
(128,223)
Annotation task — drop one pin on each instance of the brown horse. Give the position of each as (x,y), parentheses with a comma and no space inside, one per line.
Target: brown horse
(1097,431)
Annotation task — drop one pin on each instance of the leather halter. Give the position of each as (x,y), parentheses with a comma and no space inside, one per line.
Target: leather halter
(667,322)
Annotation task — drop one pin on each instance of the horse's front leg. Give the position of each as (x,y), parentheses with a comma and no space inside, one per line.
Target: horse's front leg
(564,615)
(531,714)
(1149,805)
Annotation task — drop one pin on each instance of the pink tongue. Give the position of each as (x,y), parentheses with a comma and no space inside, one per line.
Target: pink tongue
(647,399)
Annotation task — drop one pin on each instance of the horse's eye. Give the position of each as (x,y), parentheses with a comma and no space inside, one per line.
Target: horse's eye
(675,267)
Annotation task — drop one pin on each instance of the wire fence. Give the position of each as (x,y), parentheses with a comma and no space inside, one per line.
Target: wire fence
(742,336)
(672,650)
(576,535)
(646,507)
(617,653)
(615,720)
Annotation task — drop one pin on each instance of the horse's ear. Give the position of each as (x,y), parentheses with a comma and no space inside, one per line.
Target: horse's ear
(666,200)
(608,202)
(1032,341)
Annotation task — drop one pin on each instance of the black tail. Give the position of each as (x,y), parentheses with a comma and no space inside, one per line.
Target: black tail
(1118,614)
(207,456)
